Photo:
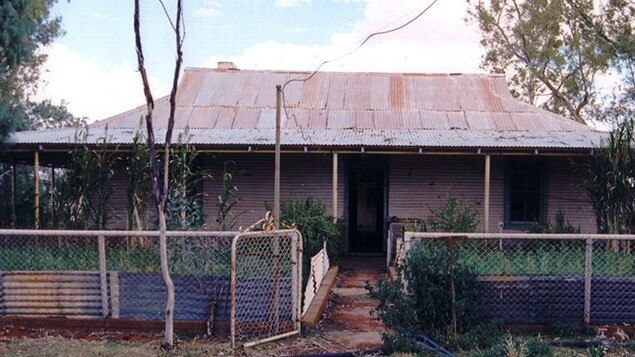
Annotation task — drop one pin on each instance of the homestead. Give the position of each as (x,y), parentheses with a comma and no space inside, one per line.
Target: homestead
(371,146)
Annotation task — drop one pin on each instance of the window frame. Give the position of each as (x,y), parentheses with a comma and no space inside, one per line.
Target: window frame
(541,169)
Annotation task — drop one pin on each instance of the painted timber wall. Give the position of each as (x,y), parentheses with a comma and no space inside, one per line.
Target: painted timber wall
(303,175)
(418,183)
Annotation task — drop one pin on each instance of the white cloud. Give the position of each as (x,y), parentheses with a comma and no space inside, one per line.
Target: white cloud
(91,91)
(439,41)
(291,3)
(210,9)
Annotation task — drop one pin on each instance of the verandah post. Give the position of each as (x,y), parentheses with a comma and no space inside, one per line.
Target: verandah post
(486,189)
(36,193)
(14,183)
(335,186)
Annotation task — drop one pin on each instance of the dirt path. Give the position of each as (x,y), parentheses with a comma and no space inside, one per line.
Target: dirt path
(347,320)
(346,325)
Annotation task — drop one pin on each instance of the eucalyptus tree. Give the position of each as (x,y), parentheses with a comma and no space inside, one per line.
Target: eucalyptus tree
(160,190)
(552,54)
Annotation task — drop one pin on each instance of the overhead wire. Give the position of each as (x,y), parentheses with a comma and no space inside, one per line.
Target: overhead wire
(368,38)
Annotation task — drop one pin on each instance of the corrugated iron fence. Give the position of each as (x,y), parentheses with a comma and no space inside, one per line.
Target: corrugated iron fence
(243,283)
(541,278)
(320,265)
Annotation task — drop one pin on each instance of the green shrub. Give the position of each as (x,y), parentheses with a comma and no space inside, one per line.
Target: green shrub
(310,216)
(559,225)
(517,347)
(454,216)
(423,305)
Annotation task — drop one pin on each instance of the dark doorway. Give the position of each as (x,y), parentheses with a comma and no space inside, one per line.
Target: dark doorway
(366,202)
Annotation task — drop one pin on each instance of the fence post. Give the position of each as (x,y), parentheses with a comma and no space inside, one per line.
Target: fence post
(103,277)
(275,303)
(298,253)
(295,317)
(588,274)
(232,289)
(407,241)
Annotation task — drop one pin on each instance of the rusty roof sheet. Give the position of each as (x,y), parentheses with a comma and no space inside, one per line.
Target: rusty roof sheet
(335,137)
(339,109)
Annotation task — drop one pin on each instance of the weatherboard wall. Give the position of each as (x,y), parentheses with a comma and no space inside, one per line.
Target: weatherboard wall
(418,184)
(303,175)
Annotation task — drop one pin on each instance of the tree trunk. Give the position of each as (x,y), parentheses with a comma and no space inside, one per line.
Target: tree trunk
(169,284)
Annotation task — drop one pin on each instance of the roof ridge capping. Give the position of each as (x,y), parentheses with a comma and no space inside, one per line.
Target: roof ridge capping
(225,67)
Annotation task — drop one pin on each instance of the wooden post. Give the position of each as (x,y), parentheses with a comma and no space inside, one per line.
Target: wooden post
(452,289)
(486,189)
(335,186)
(276,179)
(52,197)
(36,194)
(295,317)
(588,275)
(14,183)
(103,277)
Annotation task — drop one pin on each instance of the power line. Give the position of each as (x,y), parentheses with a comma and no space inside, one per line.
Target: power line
(374,34)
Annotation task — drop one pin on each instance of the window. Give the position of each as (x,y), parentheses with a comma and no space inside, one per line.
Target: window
(524,193)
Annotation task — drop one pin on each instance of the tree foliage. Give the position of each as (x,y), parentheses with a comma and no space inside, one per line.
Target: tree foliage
(84,189)
(25,27)
(454,216)
(611,182)
(550,52)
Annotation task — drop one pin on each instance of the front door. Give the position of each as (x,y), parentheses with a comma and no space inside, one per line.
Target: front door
(366,209)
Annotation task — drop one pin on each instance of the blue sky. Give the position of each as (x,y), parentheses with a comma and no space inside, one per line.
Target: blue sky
(92,67)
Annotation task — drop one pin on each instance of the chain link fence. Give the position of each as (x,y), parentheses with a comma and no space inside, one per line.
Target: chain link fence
(266,280)
(117,275)
(542,278)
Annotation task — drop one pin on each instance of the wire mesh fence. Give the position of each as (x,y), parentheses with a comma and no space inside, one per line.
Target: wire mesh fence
(266,292)
(542,278)
(117,274)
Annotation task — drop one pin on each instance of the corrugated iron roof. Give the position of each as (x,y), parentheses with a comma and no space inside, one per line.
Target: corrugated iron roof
(376,109)
(333,137)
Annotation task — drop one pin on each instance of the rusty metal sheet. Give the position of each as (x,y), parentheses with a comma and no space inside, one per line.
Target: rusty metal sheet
(456,120)
(433,119)
(246,118)
(364,119)
(350,109)
(387,119)
(225,118)
(342,137)
(267,119)
(203,117)
(340,119)
(480,121)
(337,91)
(316,91)
(317,119)
(410,120)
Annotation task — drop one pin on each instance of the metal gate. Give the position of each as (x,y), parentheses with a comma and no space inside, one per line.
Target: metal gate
(266,280)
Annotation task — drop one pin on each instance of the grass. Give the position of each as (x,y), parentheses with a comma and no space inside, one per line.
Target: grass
(556,258)
(184,258)
(57,346)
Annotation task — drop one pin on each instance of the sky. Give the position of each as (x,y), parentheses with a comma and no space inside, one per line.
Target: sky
(92,67)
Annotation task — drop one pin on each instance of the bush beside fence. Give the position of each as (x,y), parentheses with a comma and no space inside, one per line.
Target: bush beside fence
(545,279)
